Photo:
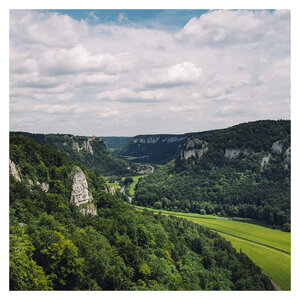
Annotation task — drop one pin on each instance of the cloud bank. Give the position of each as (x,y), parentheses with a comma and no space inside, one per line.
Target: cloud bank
(222,68)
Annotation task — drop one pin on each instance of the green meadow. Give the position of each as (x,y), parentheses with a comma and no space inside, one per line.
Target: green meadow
(275,264)
(268,248)
(131,186)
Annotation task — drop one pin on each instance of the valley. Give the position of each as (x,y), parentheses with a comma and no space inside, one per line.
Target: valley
(225,185)
(263,245)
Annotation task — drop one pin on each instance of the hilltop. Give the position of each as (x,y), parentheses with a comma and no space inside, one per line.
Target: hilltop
(156,148)
(90,151)
(241,171)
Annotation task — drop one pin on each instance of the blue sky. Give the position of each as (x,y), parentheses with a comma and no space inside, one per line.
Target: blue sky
(129,72)
(152,18)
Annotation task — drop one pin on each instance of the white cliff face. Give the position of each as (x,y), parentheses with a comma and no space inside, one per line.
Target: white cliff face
(149,140)
(287,159)
(277,147)
(194,148)
(14,169)
(173,139)
(45,187)
(265,160)
(153,140)
(80,193)
(85,145)
(234,153)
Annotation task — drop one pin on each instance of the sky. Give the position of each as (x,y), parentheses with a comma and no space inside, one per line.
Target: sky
(130,72)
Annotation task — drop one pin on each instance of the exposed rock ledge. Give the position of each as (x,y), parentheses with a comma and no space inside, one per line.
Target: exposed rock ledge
(287,159)
(194,148)
(234,153)
(111,190)
(80,194)
(277,147)
(265,160)
(85,145)
(14,169)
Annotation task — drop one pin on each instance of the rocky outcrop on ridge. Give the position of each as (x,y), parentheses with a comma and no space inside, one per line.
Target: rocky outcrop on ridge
(80,194)
(15,170)
(194,148)
(85,145)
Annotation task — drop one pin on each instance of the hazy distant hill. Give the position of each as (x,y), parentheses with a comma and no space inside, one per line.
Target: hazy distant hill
(156,148)
(115,142)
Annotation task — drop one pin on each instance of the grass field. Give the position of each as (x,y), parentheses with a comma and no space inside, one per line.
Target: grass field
(275,264)
(268,248)
(132,185)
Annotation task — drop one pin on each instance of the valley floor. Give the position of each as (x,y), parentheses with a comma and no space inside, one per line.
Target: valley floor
(268,248)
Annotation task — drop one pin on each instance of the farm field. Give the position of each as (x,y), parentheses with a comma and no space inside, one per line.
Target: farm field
(268,248)
(130,187)
(275,264)
(133,184)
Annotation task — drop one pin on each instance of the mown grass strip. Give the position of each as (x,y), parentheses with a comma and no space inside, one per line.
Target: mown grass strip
(262,235)
(275,264)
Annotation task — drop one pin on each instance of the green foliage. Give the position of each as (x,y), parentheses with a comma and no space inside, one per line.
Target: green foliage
(159,152)
(101,160)
(54,246)
(227,187)
(24,273)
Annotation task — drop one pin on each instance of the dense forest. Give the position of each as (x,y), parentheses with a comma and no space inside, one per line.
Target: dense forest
(156,148)
(92,152)
(115,142)
(54,246)
(241,171)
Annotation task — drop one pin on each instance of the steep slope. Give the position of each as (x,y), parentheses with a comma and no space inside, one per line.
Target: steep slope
(158,148)
(115,142)
(72,234)
(240,171)
(90,151)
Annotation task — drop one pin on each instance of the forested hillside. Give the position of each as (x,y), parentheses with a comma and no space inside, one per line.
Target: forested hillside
(156,148)
(241,171)
(90,151)
(115,142)
(58,243)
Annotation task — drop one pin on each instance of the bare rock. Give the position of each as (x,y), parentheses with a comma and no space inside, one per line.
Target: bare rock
(235,153)
(80,193)
(111,190)
(277,147)
(15,170)
(287,159)
(45,187)
(265,160)
(194,148)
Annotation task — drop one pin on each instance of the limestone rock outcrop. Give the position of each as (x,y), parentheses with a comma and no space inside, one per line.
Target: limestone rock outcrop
(15,170)
(157,139)
(111,190)
(80,193)
(86,145)
(235,153)
(287,159)
(194,148)
(265,160)
(277,147)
